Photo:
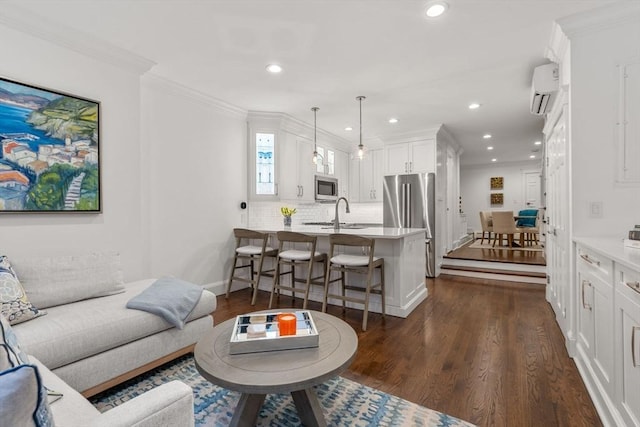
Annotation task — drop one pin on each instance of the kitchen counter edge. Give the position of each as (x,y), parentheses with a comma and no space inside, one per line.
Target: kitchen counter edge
(613,248)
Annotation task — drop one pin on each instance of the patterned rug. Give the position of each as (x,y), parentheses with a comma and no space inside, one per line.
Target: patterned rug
(478,245)
(344,402)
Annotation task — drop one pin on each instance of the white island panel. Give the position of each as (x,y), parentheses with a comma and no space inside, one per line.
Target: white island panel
(404,253)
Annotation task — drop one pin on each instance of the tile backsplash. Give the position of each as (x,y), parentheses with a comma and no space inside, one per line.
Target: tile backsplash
(267,214)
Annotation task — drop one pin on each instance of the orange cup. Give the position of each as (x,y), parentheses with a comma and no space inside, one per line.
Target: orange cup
(287,324)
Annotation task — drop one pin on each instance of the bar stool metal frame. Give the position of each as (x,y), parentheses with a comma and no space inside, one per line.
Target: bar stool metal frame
(297,257)
(253,253)
(360,264)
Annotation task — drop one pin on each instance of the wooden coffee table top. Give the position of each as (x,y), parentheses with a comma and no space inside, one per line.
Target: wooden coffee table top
(280,371)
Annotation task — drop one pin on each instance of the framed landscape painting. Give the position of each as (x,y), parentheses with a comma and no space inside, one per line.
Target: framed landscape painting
(50,158)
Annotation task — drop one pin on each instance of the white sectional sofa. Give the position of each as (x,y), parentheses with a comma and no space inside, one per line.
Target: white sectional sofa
(95,343)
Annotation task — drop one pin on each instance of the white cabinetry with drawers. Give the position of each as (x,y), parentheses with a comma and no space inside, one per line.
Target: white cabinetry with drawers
(607,313)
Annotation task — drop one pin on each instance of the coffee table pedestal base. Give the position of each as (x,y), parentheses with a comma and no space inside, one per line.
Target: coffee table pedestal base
(306,401)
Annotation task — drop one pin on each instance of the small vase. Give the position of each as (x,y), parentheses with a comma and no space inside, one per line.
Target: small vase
(287,221)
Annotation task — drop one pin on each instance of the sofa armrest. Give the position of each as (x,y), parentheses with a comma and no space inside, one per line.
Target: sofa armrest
(170,404)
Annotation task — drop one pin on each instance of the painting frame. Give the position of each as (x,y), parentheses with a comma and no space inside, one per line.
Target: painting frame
(50,159)
(497,182)
(497,199)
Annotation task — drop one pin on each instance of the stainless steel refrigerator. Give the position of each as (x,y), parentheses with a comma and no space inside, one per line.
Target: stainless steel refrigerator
(410,202)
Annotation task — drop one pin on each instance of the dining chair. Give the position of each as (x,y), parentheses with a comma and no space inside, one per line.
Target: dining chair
(487,225)
(504,224)
(365,265)
(290,254)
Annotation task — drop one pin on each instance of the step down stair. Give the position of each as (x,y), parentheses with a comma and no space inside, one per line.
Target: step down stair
(535,274)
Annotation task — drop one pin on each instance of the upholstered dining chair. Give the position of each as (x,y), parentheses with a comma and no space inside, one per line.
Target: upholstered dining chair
(504,224)
(529,220)
(487,225)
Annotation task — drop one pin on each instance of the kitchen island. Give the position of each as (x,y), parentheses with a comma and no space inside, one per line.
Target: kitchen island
(403,250)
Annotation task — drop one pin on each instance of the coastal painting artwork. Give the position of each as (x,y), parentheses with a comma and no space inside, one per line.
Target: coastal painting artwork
(50,158)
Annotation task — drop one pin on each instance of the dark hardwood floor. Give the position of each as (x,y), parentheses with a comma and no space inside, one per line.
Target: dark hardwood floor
(489,352)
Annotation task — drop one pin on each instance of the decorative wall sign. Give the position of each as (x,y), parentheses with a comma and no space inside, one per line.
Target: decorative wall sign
(50,158)
(497,183)
(497,199)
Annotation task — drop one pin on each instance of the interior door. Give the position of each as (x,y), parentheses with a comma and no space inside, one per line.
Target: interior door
(558,213)
(532,188)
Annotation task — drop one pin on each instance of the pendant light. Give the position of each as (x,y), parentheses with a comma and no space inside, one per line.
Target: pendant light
(315,145)
(360,146)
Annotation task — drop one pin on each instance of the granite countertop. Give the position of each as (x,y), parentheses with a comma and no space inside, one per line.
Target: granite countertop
(613,248)
(375,232)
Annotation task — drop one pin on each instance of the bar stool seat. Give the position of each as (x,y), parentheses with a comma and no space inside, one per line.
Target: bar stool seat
(350,263)
(296,257)
(246,248)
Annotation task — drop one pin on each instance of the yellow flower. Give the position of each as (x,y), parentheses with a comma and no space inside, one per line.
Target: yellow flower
(287,211)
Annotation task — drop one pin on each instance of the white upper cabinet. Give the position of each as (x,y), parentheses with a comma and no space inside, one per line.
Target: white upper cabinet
(342,173)
(366,177)
(263,161)
(628,123)
(296,168)
(410,157)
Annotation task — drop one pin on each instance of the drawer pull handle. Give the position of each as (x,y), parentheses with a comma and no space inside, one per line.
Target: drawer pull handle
(584,303)
(589,260)
(633,345)
(634,285)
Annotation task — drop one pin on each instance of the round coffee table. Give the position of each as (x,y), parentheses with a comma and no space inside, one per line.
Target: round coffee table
(284,371)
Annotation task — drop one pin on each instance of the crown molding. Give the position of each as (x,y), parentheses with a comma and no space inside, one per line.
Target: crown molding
(171,86)
(28,22)
(558,45)
(447,136)
(413,136)
(604,17)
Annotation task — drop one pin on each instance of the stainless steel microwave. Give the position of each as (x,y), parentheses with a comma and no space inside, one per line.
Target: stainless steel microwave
(326,189)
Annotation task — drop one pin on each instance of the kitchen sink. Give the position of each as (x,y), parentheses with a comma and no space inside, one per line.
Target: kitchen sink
(349,226)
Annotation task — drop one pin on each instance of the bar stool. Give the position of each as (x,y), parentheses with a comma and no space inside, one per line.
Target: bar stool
(296,257)
(251,245)
(360,264)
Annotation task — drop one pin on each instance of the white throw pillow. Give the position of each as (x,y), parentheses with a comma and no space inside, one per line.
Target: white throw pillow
(57,280)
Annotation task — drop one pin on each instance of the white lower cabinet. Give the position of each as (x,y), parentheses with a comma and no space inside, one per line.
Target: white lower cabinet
(607,308)
(628,341)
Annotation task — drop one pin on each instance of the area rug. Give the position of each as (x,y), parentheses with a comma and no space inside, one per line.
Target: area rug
(478,245)
(344,402)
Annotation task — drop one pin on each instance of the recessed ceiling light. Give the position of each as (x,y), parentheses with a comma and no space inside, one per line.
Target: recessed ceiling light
(348,128)
(537,143)
(436,8)
(486,136)
(274,68)
(393,120)
(533,156)
(494,160)
(474,106)
(489,148)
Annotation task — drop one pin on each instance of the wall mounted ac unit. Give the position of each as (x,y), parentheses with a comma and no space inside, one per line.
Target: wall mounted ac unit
(544,87)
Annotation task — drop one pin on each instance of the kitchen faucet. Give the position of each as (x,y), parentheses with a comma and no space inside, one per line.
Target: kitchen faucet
(336,221)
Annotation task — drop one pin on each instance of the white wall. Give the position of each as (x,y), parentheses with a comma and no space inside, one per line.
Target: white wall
(475,189)
(594,95)
(120,227)
(196,151)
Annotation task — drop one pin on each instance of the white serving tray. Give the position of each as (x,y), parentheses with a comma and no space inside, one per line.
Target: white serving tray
(306,335)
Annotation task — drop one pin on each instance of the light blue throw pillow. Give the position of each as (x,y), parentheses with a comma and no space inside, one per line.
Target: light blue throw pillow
(8,337)
(23,399)
(170,298)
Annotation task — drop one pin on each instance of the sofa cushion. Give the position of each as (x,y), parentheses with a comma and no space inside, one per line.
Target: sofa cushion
(56,280)
(81,329)
(14,304)
(72,409)
(23,400)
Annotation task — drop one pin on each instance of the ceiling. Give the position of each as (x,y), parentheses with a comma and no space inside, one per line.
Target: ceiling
(422,71)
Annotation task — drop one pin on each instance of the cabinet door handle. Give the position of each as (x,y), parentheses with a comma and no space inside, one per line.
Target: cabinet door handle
(410,166)
(633,345)
(302,191)
(276,185)
(405,167)
(589,260)
(584,303)
(634,286)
